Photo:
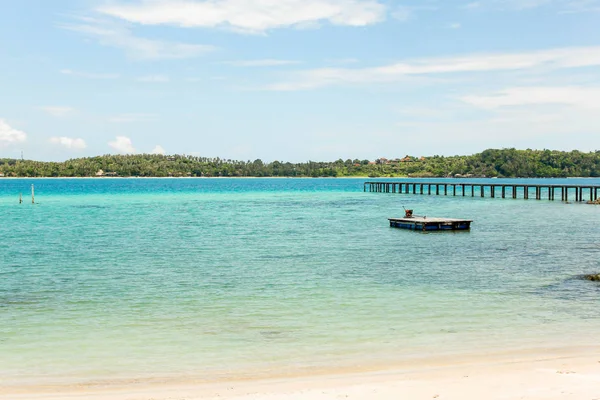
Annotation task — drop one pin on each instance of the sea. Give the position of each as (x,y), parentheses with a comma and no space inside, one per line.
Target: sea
(128,280)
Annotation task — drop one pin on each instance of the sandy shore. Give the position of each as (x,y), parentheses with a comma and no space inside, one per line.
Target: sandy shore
(556,374)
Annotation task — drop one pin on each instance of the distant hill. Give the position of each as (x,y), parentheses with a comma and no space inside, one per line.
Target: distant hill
(489,163)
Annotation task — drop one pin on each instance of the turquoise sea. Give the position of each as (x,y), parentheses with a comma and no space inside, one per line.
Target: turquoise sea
(120,279)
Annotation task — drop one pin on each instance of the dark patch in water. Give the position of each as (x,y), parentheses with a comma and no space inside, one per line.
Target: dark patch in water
(347,202)
(588,247)
(17,301)
(573,288)
(273,335)
(282,256)
(448,331)
(91,206)
(590,277)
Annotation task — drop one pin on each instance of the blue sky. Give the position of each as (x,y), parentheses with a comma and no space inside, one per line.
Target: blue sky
(297,79)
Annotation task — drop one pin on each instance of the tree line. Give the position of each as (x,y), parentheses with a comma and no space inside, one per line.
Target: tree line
(508,163)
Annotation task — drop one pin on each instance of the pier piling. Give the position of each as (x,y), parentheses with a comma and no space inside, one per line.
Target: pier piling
(582,192)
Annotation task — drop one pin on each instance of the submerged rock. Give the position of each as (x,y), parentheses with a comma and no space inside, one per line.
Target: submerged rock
(596,202)
(593,278)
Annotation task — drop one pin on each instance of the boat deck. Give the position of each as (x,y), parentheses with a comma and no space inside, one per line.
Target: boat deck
(431,224)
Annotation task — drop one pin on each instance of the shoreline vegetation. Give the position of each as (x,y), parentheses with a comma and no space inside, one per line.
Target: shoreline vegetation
(492,163)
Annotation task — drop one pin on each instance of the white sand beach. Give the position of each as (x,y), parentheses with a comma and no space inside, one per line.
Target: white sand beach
(553,375)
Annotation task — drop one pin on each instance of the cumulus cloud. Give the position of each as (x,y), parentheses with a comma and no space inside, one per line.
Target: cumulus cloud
(57,111)
(158,150)
(122,144)
(69,143)
(247,16)
(9,135)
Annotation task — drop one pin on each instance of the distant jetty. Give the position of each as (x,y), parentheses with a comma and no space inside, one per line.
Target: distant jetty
(477,189)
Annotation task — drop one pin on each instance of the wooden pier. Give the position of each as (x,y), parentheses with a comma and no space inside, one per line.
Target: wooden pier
(525,191)
(431,224)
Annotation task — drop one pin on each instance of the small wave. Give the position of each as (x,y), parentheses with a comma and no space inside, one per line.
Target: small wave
(11,269)
(16,301)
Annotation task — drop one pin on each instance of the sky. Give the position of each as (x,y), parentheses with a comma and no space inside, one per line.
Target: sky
(297,80)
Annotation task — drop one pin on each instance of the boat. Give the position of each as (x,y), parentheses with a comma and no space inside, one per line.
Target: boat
(426,224)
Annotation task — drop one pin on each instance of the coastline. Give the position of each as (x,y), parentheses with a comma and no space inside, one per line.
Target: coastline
(572,372)
(204,177)
(343,336)
(275,177)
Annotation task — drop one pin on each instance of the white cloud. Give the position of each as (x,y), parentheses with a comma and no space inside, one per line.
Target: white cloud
(249,16)
(261,63)
(473,5)
(524,4)
(69,143)
(507,5)
(476,63)
(58,111)
(577,6)
(403,13)
(132,117)
(158,150)
(526,117)
(341,61)
(580,97)
(154,78)
(9,135)
(455,25)
(88,75)
(428,113)
(529,126)
(112,35)
(556,58)
(561,6)
(122,144)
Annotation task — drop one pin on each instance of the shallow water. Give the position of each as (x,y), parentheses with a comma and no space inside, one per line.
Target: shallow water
(125,278)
